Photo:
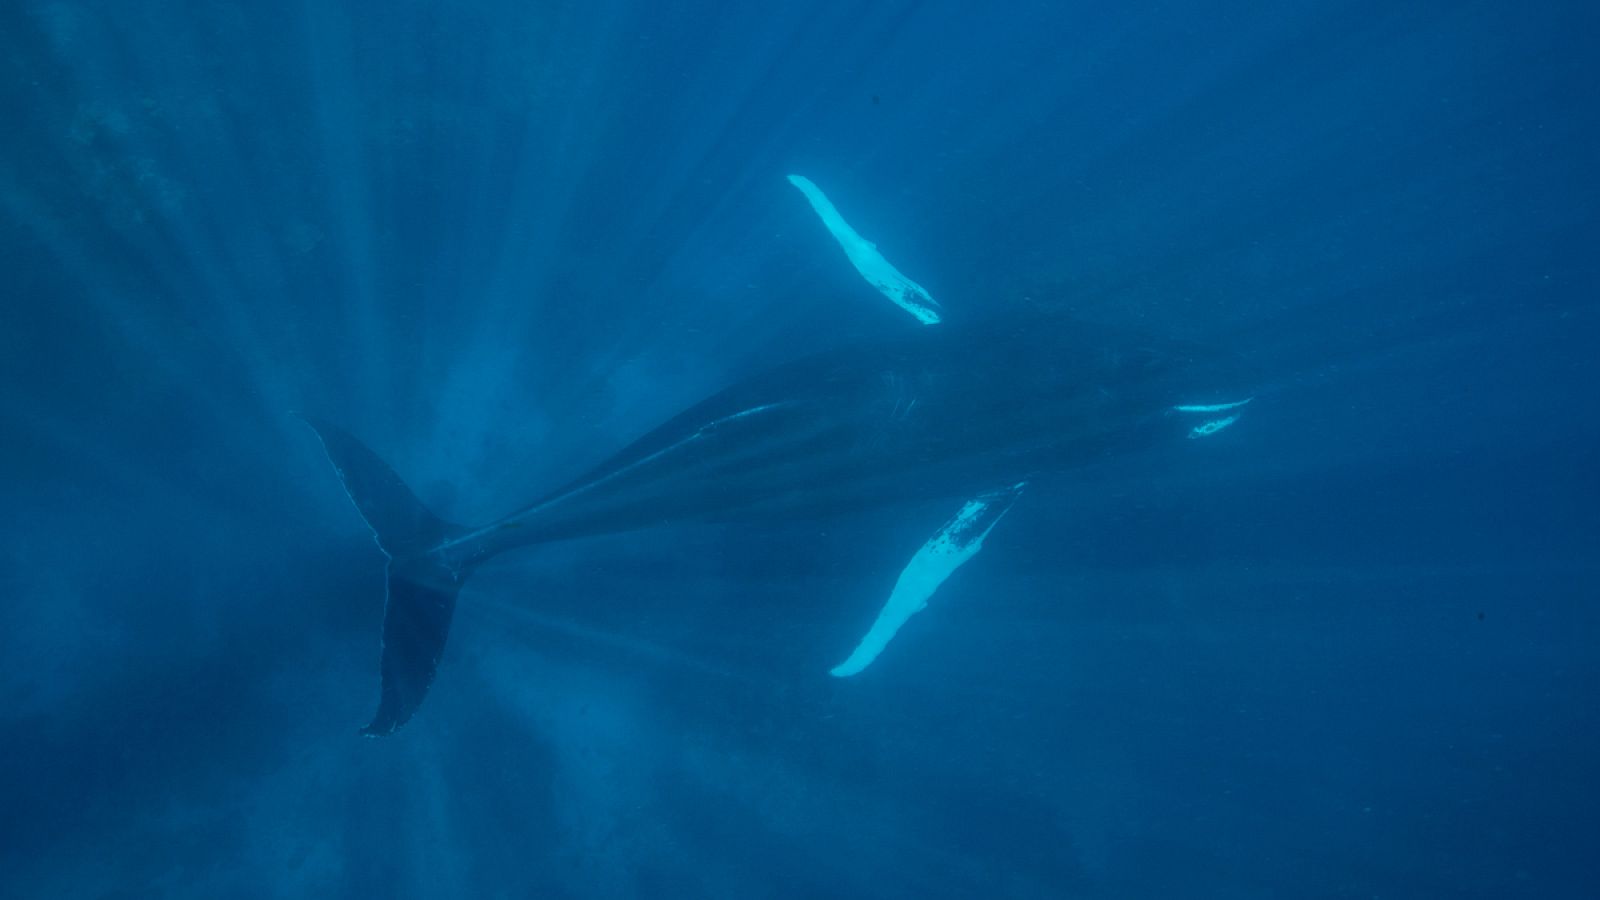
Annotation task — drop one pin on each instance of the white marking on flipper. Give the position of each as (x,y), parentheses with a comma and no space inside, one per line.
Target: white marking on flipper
(1212,407)
(958,541)
(1207,429)
(864,255)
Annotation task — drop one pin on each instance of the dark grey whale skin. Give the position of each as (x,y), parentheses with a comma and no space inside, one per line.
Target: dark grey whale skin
(947,411)
(943,412)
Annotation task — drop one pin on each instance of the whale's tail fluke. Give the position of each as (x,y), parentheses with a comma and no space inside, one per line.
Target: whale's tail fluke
(422,584)
(416,621)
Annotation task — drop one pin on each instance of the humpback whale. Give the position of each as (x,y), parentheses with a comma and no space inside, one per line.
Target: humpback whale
(967,415)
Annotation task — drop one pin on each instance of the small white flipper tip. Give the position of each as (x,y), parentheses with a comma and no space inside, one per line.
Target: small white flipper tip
(847,668)
(902,605)
(1211,407)
(1207,429)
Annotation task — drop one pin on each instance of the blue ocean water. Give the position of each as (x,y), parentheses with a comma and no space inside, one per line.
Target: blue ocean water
(1348,649)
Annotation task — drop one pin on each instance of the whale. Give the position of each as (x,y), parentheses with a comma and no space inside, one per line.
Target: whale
(966,415)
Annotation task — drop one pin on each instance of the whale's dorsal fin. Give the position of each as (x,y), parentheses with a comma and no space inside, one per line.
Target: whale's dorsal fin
(957,541)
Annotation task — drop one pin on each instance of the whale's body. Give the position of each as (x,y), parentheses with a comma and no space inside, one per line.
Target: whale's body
(946,412)
(949,412)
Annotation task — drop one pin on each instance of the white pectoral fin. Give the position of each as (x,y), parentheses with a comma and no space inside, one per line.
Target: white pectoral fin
(958,541)
(1211,426)
(864,255)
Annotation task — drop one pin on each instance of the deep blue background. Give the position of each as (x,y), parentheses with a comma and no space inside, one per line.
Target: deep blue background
(1348,649)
